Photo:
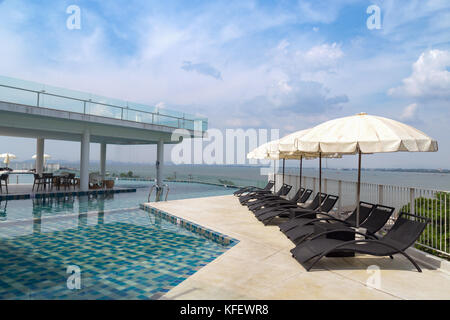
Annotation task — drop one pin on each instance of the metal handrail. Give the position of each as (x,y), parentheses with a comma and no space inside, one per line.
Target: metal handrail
(164,186)
(153,114)
(167,192)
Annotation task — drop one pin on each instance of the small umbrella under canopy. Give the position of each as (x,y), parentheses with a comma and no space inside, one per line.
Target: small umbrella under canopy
(7,157)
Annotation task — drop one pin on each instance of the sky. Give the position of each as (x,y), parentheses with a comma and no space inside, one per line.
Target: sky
(285,65)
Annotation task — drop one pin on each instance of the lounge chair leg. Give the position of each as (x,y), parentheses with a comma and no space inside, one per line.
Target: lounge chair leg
(411,260)
(323,254)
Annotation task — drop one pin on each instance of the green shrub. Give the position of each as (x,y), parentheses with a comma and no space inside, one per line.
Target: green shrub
(438,210)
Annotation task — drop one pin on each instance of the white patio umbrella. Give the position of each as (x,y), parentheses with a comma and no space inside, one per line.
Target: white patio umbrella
(286,148)
(7,158)
(46,157)
(363,134)
(264,152)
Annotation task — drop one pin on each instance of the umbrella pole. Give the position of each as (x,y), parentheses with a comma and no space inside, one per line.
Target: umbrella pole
(274,176)
(284,161)
(320,181)
(358,191)
(301,167)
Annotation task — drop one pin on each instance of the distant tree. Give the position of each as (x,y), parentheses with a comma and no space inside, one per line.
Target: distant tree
(226,182)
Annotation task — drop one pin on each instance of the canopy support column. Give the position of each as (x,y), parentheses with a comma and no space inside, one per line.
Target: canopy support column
(40,155)
(84,161)
(159,169)
(103,160)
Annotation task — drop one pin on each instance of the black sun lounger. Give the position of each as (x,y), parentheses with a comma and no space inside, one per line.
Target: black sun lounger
(287,212)
(264,198)
(403,234)
(297,215)
(258,196)
(300,197)
(248,189)
(301,216)
(248,195)
(275,200)
(306,229)
(253,194)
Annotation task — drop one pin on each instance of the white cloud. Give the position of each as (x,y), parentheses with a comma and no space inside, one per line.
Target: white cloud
(400,14)
(409,112)
(295,79)
(319,11)
(430,78)
(323,56)
(241,122)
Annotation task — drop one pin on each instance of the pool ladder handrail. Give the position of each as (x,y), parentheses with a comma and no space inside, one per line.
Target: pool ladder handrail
(155,186)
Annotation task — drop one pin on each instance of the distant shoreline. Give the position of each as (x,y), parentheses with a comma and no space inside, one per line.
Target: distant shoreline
(169,164)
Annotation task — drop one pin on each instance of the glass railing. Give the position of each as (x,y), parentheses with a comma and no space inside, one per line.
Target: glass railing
(45,96)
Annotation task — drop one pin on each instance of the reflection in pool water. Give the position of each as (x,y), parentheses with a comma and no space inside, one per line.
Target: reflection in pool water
(48,206)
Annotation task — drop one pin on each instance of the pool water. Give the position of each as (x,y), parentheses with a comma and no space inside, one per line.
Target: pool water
(116,253)
(40,207)
(130,254)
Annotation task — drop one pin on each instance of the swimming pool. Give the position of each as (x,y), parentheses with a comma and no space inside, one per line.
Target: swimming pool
(115,253)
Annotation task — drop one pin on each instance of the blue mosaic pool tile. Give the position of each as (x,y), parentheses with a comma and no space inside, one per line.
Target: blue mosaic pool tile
(193,227)
(138,255)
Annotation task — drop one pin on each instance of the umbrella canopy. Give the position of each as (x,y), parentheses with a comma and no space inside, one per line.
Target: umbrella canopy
(46,156)
(363,133)
(288,143)
(286,148)
(366,134)
(7,157)
(263,151)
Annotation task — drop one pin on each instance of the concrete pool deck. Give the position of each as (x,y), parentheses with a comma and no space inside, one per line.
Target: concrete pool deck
(260,266)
